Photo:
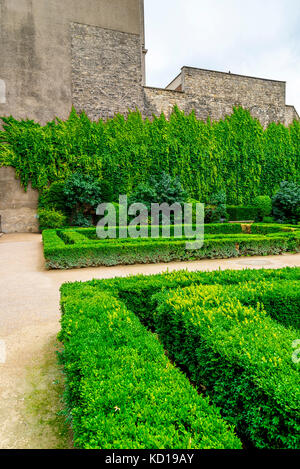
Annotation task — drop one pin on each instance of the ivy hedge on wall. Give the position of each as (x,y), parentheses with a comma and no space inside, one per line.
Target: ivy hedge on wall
(235,154)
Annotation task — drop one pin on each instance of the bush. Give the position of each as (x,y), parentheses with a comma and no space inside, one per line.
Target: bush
(241,357)
(162,188)
(286,203)
(218,200)
(84,249)
(230,349)
(263,204)
(240,213)
(268,220)
(82,196)
(122,392)
(51,219)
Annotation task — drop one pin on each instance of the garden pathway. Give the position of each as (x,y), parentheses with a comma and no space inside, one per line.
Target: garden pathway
(30,381)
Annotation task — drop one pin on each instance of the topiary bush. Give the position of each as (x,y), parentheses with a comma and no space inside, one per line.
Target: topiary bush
(286,203)
(263,204)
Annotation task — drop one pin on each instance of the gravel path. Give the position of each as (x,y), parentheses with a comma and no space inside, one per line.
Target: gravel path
(31,381)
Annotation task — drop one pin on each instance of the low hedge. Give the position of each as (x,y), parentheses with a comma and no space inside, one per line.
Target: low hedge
(241,213)
(255,393)
(81,248)
(281,300)
(121,390)
(240,355)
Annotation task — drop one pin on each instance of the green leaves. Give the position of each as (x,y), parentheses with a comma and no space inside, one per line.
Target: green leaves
(122,392)
(235,154)
(221,241)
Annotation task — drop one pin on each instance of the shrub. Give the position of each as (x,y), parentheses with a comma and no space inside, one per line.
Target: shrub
(268,220)
(121,390)
(86,250)
(230,349)
(218,200)
(228,344)
(51,219)
(240,213)
(286,203)
(263,204)
(82,196)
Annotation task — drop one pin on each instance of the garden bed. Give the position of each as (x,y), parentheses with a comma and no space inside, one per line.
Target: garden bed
(75,248)
(231,332)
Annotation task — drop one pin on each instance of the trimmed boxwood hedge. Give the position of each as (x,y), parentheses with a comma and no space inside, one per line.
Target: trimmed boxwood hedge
(71,248)
(211,318)
(241,356)
(240,213)
(122,392)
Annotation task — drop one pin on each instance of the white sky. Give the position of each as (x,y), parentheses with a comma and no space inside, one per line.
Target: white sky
(249,37)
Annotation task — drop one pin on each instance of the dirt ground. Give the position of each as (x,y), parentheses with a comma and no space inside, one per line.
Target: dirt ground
(31,382)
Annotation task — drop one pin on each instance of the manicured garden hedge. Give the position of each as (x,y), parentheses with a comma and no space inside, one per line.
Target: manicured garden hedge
(65,249)
(240,213)
(121,390)
(213,327)
(241,356)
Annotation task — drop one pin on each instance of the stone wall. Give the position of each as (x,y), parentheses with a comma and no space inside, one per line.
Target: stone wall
(36,61)
(290,115)
(159,100)
(17,208)
(106,71)
(213,94)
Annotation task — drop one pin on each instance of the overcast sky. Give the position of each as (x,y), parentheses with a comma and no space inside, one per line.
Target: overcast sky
(250,37)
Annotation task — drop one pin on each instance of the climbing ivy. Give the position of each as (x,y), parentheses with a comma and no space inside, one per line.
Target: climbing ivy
(234,154)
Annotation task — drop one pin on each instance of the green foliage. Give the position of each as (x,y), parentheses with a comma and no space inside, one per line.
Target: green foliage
(230,349)
(240,213)
(53,197)
(286,203)
(82,248)
(235,155)
(212,324)
(268,220)
(263,204)
(218,201)
(51,219)
(82,196)
(122,392)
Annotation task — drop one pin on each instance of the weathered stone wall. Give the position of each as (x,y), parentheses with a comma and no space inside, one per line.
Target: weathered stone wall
(106,71)
(36,62)
(17,208)
(290,115)
(213,94)
(159,100)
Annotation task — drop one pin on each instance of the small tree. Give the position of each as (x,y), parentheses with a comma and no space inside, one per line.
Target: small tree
(82,196)
(263,204)
(286,203)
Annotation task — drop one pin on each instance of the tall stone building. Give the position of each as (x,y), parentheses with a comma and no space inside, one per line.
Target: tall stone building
(91,54)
